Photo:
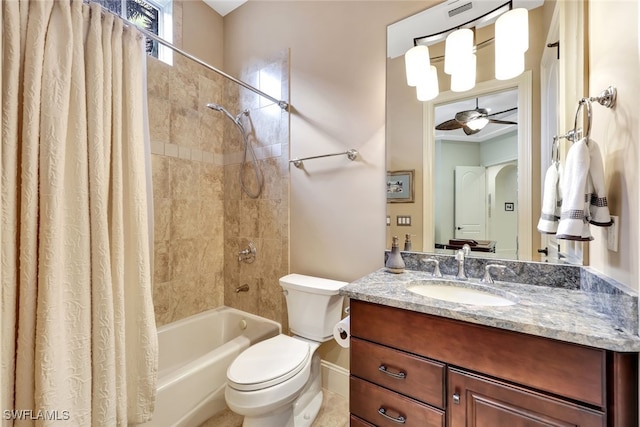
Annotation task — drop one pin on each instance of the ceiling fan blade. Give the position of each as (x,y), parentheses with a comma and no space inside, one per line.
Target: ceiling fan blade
(467,116)
(502,122)
(503,111)
(469,131)
(449,125)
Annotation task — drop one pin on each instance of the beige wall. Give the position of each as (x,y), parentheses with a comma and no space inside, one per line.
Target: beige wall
(614,60)
(204,34)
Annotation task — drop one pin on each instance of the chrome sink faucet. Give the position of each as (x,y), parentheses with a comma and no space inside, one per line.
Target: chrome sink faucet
(460,257)
(436,266)
(487,272)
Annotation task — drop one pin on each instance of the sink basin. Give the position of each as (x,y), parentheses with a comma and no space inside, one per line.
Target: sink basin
(459,294)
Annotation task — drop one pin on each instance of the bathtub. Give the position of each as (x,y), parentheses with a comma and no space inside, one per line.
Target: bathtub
(194,354)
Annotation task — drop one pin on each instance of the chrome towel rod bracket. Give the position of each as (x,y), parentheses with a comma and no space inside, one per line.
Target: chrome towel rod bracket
(607,98)
(351,154)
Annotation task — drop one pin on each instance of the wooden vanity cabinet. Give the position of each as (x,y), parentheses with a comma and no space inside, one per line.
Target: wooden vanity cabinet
(411,368)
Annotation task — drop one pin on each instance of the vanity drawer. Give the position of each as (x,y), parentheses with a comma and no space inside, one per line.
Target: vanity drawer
(367,400)
(357,422)
(569,370)
(405,373)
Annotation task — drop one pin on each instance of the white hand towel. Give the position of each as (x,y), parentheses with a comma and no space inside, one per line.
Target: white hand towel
(598,209)
(573,223)
(549,218)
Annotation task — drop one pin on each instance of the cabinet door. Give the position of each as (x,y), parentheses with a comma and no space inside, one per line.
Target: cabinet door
(476,401)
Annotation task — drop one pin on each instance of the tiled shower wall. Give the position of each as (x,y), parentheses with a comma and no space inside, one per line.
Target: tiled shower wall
(202,219)
(265,220)
(186,140)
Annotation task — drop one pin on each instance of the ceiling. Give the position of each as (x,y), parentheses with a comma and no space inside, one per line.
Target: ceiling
(224,7)
(494,102)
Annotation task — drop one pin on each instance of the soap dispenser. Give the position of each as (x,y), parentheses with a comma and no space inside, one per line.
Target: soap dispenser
(395,263)
(407,242)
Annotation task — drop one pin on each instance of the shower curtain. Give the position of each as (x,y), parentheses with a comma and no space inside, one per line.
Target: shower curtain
(78,341)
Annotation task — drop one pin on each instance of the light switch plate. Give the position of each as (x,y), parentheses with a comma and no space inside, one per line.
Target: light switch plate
(613,233)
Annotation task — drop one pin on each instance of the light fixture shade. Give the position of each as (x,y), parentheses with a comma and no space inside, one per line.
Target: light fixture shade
(512,31)
(511,41)
(465,78)
(508,65)
(477,124)
(457,48)
(429,90)
(417,65)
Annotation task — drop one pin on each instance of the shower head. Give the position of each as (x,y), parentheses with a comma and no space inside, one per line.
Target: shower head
(235,119)
(215,107)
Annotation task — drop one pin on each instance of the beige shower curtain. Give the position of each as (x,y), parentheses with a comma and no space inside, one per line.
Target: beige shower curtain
(78,342)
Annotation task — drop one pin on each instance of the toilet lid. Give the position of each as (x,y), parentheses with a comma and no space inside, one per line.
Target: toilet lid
(268,363)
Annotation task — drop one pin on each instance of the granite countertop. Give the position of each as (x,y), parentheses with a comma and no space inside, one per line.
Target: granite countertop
(569,315)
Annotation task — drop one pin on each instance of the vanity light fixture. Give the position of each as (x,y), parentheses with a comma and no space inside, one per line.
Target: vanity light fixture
(511,39)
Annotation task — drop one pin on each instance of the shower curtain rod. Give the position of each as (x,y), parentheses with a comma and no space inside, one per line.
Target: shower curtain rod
(282,104)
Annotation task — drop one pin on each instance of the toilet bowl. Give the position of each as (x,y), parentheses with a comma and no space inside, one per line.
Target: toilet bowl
(277,382)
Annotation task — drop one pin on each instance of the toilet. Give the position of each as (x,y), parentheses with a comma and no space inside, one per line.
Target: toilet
(277,382)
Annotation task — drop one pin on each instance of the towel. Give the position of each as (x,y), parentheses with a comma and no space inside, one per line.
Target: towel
(551,200)
(598,208)
(574,223)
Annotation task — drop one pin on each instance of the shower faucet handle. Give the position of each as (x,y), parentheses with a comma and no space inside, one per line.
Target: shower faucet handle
(248,254)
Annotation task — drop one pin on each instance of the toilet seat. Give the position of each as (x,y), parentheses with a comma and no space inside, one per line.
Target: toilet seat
(268,363)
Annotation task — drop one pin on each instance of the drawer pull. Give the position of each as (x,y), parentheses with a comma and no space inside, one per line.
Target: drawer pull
(456,399)
(397,375)
(400,420)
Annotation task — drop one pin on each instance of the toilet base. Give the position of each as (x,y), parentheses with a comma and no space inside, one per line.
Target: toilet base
(300,413)
(307,406)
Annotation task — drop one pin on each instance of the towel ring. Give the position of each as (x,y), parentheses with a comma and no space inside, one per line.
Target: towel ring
(555,149)
(607,98)
(583,102)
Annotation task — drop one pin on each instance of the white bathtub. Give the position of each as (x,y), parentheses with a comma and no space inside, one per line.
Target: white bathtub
(194,354)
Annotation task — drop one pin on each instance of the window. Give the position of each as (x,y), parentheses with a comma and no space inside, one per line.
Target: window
(152,15)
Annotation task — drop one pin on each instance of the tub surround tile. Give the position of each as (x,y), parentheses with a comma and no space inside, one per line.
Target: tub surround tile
(183,89)
(159,119)
(201,217)
(161,272)
(185,222)
(559,311)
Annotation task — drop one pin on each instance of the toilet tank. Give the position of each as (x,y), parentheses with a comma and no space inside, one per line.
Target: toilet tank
(313,305)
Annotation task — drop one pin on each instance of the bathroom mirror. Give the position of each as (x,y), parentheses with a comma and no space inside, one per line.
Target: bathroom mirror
(413,145)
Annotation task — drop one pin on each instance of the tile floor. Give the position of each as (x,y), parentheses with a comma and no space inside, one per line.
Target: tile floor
(333,413)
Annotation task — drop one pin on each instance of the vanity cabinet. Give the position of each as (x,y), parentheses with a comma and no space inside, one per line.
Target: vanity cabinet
(411,368)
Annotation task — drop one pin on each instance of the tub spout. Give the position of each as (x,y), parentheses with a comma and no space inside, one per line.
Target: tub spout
(243,288)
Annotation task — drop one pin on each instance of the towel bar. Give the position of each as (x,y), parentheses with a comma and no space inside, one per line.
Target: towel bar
(352,154)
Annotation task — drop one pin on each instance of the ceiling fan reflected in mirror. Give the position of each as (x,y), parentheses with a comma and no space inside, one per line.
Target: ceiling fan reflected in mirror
(473,121)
